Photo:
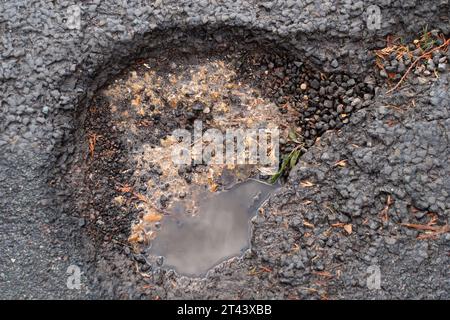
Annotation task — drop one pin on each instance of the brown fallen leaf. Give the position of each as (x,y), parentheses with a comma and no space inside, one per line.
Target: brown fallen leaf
(212,184)
(136,101)
(348,228)
(295,248)
(152,217)
(125,188)
(213,187)
(92,142)
(307,224)
(137,87)
(149,236)
(134,238)
(173,102)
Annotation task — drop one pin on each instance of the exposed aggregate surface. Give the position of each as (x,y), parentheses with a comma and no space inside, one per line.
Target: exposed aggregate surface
(396,152)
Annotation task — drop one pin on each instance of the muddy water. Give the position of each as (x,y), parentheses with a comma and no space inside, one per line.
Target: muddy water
(220,229)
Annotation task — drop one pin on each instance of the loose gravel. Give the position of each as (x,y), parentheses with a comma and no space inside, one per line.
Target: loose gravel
(351,205)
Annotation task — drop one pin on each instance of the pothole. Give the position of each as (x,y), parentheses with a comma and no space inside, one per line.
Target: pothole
(190,216)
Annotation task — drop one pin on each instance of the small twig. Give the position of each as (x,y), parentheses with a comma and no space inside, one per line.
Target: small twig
(425,227)
(384,213)
(446,43)
(92,142)
(324,274)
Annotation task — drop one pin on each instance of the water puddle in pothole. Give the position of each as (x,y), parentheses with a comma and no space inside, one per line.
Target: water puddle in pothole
(194,243)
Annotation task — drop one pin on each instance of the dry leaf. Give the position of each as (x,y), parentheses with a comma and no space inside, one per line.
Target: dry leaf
(152,217)
(125,188)
(92,142)
(213,187)
(136,101)
(341,163)
(137,87)
(168,141)
(309,225)
(141,197)
(151,235)
(134,238)
(119,200)
(348,228)
(338,225)
(306,184)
